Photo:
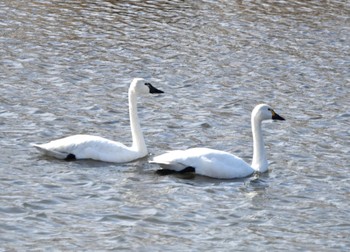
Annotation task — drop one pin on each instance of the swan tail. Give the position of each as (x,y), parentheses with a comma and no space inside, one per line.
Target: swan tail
(51,153)
(168,166)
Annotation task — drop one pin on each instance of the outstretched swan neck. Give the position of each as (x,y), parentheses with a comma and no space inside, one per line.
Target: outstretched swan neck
(138,141)
(259,162)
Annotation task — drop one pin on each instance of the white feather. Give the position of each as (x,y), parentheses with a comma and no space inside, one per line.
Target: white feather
(99,148)
(220,164)
(207,162)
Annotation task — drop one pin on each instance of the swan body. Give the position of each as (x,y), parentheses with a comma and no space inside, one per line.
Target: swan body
(219,164)
(102,149)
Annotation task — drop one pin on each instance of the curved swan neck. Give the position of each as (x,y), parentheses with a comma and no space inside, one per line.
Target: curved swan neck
(138,141)
(259,162)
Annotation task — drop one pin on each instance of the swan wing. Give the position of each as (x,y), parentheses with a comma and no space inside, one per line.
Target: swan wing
(207,162)
(171,160)
(88,147)
(50,152)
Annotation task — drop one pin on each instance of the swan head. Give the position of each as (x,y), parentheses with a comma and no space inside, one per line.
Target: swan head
(140,86)
(263,112)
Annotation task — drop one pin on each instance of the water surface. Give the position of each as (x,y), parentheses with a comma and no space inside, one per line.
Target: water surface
(65,67)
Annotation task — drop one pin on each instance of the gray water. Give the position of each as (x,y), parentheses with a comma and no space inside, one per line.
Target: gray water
(65,68)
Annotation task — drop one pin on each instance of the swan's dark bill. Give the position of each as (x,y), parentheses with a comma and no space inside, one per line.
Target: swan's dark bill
(276,116)
(153,90)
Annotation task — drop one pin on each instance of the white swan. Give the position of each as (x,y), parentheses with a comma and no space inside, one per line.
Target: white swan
(98,148)
(220,164)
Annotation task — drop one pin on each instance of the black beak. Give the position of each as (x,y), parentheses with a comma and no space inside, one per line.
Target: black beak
(152,89)
(276,116)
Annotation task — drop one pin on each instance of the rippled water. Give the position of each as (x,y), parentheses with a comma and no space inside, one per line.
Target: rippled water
(65,67)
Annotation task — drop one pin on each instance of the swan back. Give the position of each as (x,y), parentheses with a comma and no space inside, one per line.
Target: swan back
(206,162)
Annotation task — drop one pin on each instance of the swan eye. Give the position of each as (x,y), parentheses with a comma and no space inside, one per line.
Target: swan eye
(268,109)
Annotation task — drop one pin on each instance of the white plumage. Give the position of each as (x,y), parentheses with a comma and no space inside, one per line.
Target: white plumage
(99,148)
(220,164)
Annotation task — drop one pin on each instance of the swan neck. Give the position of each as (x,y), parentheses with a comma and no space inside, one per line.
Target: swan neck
(138,141)
(259,162)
